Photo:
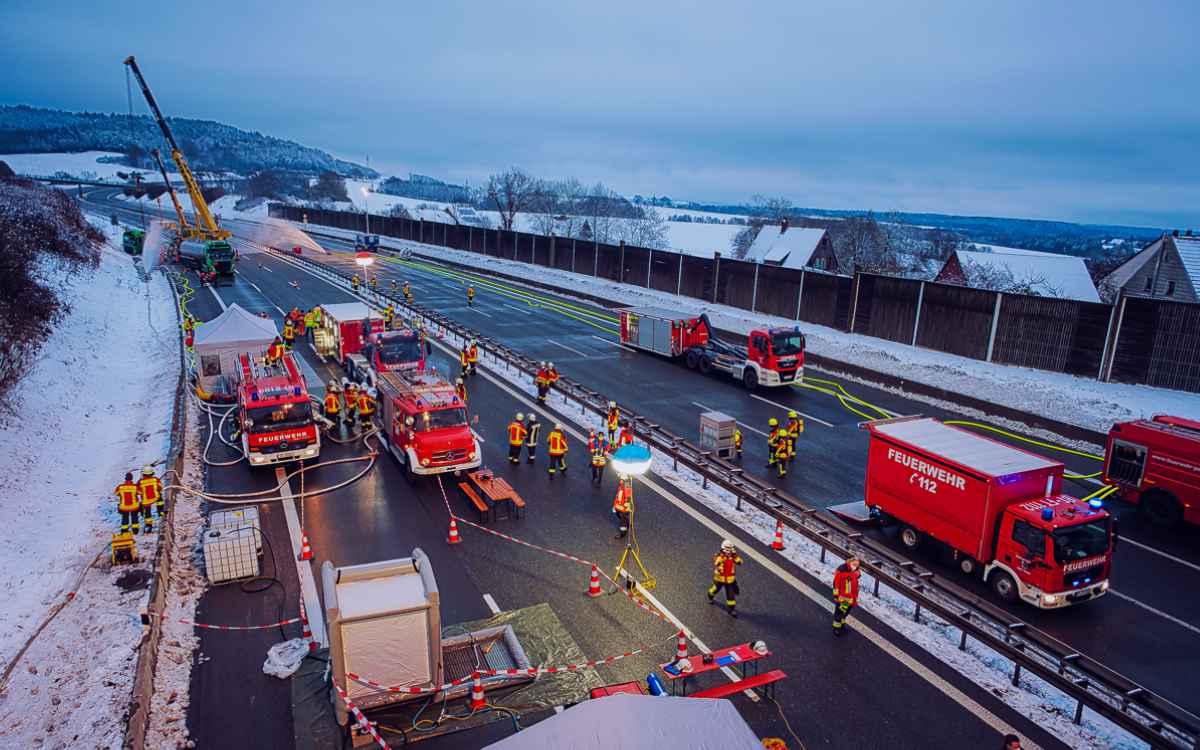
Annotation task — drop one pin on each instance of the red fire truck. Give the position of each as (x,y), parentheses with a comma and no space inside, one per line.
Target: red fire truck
(1156,464)
(276,417)
(424,423)
(350,336)
(771,356)
(995,507)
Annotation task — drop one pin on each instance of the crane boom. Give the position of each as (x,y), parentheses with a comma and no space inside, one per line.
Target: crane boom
(206,226)
(185,229)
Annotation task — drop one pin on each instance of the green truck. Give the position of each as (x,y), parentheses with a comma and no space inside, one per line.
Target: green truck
(133,240)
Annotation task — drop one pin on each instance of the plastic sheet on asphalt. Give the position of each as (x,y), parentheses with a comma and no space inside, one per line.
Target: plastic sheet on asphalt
(283,659)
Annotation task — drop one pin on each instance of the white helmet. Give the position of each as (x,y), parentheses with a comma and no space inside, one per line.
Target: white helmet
(550,365)
(345,382)
(372,392)
(458,381)
(532,417)
(332,385)
(557,427)
(542,365)
(612,404)
(726,545)
(520,416)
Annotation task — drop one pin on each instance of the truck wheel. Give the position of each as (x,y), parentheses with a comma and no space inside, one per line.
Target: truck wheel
(1004,586)
(1161,508)
(910,537)
(704,364)
(692,360)
(968,566)
(750,380)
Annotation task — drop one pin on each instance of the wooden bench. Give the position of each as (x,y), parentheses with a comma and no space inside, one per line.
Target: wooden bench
(518,502)
(476,500)
(766,681)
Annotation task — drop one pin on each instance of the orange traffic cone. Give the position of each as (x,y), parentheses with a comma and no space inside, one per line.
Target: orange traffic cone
(477,700)
(778,543)
(305,548)
(594,583)
(454,538)
(681,646)
(306,633)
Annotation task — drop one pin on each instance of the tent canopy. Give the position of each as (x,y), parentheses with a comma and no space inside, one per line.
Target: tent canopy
(234,327)
(638,722)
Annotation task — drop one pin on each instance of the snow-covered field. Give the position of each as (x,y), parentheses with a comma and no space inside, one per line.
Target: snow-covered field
(82,165)
(1080,401)
(97,404)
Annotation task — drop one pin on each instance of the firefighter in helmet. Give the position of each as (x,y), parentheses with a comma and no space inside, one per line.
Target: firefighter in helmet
(795,426)
(464,360)
(845,592)
(366,406)
(542,381)
(623,506)
(470,296)
(129,505)
(150,494)
(289,334)
(349,400)
(374,282)
(354,282)
(737,441)
(460,390)
(389,312)
(725,565)
(776,446)
(333,403)
(611,422)
(150,483)
(274,353)
(393,285)
(626,437)
(516,438)
(473,355)
(532,429)
(556,446)
(408,297)
(598,448)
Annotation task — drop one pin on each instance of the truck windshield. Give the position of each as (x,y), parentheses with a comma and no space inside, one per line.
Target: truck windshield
(787,344)
(220,251)
(440,419)
(397,349)
(1082,541)
(271,418)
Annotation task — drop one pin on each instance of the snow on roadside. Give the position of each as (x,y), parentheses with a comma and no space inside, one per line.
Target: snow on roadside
(96,405)
(1085,402)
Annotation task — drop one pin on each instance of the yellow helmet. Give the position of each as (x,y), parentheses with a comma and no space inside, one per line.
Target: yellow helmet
(773,422)
(792,415)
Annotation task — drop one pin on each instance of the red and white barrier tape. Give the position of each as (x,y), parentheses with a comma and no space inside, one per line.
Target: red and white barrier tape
(289,621)
(367,726)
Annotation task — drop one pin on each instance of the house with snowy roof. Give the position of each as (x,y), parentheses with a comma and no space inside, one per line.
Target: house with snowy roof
(792,247)
(1168,268)
(1010,269)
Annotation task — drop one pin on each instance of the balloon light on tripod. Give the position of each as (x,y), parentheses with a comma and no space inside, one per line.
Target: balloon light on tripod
(631,460)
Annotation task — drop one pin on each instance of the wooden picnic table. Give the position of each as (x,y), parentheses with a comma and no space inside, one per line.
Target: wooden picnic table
(496,490)
(740,656)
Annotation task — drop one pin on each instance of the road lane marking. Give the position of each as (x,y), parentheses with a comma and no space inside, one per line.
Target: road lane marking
(1158,612)
(308,584)
(481,312)
(518,309)
(491,604)
(617,344)
(212,288)
(788,408)
(743,424)
(1167,555)
(564,346)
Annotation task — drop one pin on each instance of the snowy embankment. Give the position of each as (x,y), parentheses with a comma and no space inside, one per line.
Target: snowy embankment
(97,404)
(1065,398)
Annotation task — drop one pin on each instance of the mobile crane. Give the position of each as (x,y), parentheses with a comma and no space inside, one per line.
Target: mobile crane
(215,254)
(183,228)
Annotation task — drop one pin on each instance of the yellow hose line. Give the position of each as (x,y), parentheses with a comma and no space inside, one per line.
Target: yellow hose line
(1014,436)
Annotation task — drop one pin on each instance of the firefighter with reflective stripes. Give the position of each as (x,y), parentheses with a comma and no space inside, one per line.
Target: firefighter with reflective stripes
(795,426)
(623,506)
(725,565)
(333,403)
(289,334)
(611,422)
(408,297)
(551,374)
(460,390)
(393,286)
(189,330)
(354,282)
(845,593)
(389,312)
(598,448)
(737,441)
(349,399)
(464,361)
(150,494)
(274,353)
(470,296)
(777,446)
(374,283)
(129,505)
(626,437)
(542,381)
(516,438)
(310,322)
(473,355)
(366,406)
(556,446)
(532,431)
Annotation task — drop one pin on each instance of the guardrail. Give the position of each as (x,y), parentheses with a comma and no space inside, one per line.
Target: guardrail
(1136,709)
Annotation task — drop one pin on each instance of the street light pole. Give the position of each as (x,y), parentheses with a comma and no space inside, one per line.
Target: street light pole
(367,207)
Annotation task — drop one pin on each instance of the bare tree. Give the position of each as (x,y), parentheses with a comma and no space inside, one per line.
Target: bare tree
(773,208)
(510,193)
(741,242)
(999,278)
(648,229)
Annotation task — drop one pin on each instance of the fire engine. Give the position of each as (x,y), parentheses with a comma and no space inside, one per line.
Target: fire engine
(770,357)
(276,417)
(350,336)
(1156,464)
(995,507)
(424,423)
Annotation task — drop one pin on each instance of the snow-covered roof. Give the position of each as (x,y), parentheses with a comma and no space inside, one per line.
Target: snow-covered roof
(235,326)
(790,247)
(1189,253)
(638,722)
(1124,272)
(1049,274)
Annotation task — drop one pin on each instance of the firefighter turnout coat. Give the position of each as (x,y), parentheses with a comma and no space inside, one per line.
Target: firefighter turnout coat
(725,567)
(845,585)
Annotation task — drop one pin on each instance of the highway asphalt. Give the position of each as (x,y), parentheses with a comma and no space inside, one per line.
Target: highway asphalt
(383,517)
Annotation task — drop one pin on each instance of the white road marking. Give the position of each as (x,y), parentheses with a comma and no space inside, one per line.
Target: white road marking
(743,424)
(788,408)
(212,288)
(521,310)
(564,346)
(481,312)
(308,584)
(491,604)
(1158,612)
(617,344)
(260,265)
(1170,557)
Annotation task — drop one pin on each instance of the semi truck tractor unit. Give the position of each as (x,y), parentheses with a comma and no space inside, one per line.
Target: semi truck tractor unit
(350,336)
(212,256)
(996,509)
(276,416)
(1155,463)
(133,240)
(770,357)
(425,423)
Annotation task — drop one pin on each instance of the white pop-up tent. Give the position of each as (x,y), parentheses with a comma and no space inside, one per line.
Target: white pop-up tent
(219,341)
(638,722)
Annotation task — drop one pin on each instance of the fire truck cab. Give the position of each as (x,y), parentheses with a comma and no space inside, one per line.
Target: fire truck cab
(276,416)
(425,424)
(1155,463)
(350,336)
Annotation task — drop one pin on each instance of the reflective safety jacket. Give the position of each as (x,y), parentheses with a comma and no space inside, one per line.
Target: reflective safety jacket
(310,320)
(725,566)
(463,358)
(516,433)
(150,489)
(316,313)
(274,352)
(473,354)
(625,438)
(289,333)
(127,497)
(374,282)
(350,398)
(737,438)
(552,376)
(460,390)
(794,428)
(388,313)
(407,291)
(366,404)
(188,325)
(531,434)
(614,419)
(556,443)
(332,404)
(542,378)
(781,443)
(354,282)
(622,498)
(845,584)
(597,443)
(470,292)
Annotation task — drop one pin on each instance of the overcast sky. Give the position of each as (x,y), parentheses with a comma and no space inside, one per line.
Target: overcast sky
(1084,111)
